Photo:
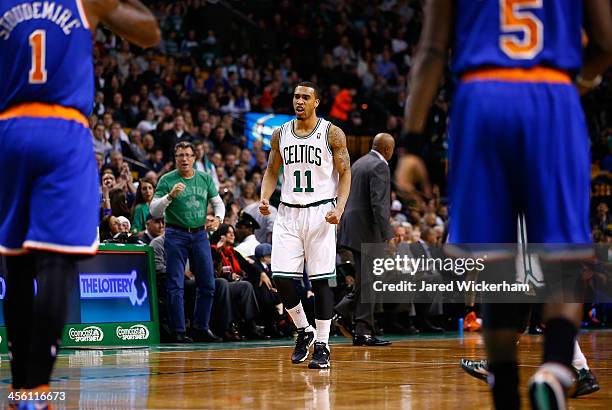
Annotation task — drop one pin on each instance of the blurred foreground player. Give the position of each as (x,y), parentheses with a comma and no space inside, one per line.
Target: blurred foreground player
(316,185)
(515,104)
(48,173)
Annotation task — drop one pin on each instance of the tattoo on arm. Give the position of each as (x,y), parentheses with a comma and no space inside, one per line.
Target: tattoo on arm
(342,162)
(337,142)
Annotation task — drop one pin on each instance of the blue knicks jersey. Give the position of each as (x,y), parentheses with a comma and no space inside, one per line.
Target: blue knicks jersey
(45,54)
(517,34)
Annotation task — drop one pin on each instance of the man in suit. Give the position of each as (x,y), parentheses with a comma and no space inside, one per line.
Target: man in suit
(366,220)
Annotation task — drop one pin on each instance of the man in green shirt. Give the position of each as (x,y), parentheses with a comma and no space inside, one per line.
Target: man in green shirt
(182,197)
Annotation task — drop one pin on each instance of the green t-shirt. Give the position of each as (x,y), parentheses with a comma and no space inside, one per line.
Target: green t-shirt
(188,209)
(139,222)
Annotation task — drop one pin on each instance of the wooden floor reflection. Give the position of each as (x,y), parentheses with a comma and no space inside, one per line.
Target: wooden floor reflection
(415,373)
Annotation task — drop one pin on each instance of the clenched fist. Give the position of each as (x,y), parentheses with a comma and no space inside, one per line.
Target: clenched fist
(176,190)
(264,207)
(333,216)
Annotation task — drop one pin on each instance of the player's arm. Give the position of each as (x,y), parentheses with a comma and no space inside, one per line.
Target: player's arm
(270,178)
(425,76)
(342,163)
(128,18)
(429,63)
(598,53)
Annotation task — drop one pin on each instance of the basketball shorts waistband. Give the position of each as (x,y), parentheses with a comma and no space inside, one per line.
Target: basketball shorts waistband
(313,204)
(44,110)
(536,74)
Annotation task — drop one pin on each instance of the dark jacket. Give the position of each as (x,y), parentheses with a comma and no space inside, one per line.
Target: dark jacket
(366,215)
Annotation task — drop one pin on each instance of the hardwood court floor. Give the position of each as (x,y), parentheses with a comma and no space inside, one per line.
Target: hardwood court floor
(414,373)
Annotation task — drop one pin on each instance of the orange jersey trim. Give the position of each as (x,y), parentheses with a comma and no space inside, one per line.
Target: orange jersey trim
(535,74)
(42,110)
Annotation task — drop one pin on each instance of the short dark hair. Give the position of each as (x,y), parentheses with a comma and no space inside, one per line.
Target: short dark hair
(312,85)
(185,145)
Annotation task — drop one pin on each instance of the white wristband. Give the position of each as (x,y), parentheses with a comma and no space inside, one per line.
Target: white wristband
(589,84)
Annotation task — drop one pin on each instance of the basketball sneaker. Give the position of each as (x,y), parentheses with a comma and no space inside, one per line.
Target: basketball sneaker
(320,357)
(476,368)
(586,383)
(305,339)
(548,387)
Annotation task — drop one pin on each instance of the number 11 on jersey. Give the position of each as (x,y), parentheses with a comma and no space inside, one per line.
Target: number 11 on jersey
(298,180)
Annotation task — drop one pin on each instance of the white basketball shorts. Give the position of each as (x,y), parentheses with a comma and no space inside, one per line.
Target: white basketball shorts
(301,238)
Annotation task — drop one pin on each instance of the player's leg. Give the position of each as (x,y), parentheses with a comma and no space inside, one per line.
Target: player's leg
(18,264)
(483,186)
(63,188)
(56,273)
(18,305)
(501,341)
(557,212)
(287,267)
(320,254)
(305,332)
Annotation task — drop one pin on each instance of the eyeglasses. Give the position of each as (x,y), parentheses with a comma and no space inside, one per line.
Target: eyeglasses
(179,156)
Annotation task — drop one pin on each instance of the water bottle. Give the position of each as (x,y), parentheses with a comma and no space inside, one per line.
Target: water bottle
(460,327)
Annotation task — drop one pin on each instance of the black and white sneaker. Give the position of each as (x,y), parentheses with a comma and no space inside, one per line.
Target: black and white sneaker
(320,357)
(586,383)
(476,368)
(546,391)
(305,339)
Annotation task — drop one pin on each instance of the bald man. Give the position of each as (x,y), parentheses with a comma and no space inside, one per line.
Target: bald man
(366,220)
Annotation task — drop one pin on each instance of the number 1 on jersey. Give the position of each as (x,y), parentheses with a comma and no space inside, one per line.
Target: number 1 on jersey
(38,72)
(298,179)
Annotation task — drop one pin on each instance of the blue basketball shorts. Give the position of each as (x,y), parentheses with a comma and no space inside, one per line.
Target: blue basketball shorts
(49,190)
(518,148)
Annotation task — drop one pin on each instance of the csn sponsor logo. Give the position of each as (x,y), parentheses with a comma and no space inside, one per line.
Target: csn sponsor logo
(136,332)
(112,286)
(87,334)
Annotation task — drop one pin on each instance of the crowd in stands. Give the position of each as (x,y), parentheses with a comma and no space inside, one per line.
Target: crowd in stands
(218,60)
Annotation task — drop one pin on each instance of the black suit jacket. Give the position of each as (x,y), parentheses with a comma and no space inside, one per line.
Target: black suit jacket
(366,215)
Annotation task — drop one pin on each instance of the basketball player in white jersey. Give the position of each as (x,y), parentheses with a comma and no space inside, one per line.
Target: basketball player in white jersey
(315,187)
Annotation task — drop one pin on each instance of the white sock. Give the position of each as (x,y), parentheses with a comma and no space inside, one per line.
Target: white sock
(579,361)
(299,316)
(323,330)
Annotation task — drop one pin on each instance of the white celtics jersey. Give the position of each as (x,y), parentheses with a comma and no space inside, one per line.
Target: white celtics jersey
(309,174)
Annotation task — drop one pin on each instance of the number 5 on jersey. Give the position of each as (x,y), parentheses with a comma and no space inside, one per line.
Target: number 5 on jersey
(38,72)
(514,19)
